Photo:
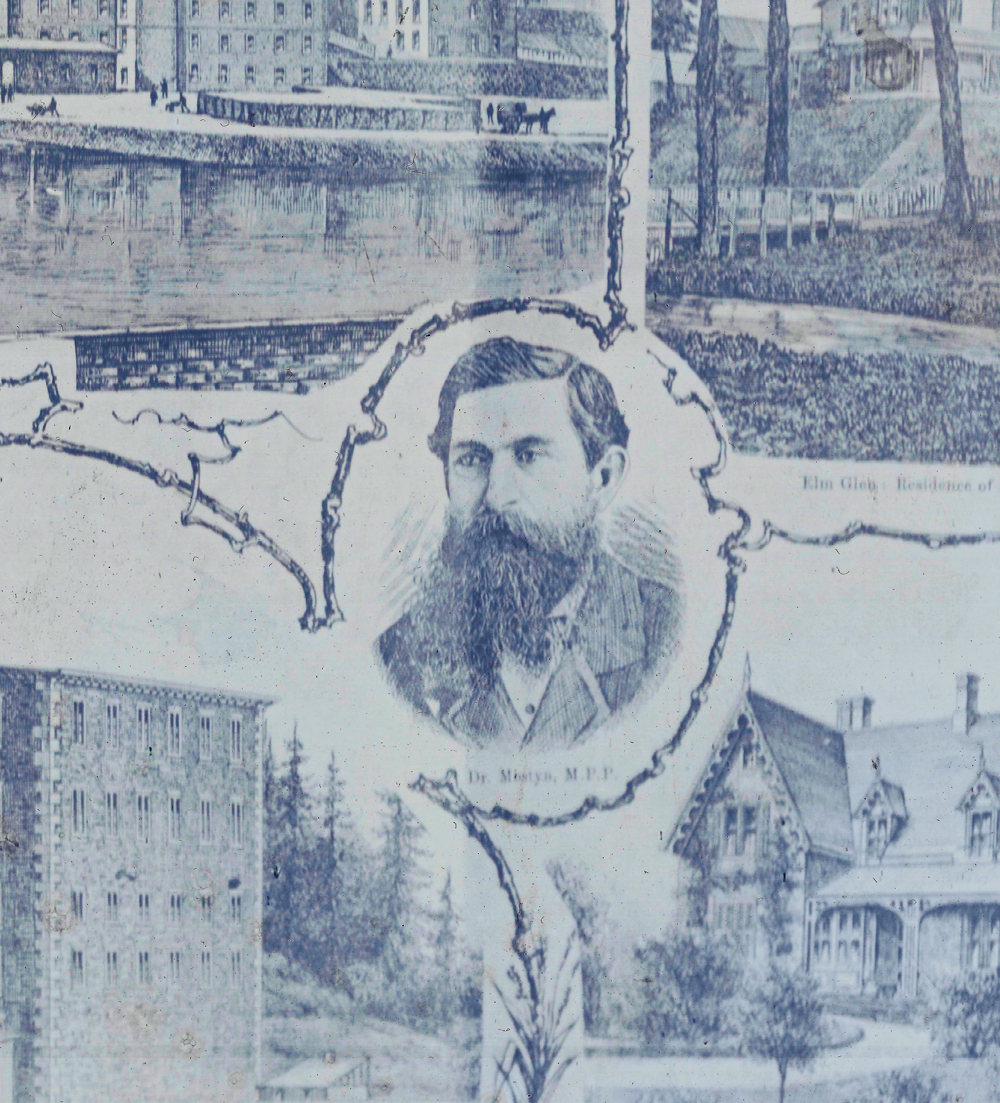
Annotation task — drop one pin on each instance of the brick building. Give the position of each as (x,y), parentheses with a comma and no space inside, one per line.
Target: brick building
(264,45)
(893,837)
(130,887)
(219,45)
(42,66)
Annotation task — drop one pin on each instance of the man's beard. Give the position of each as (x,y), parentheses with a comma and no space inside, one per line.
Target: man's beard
(490,592)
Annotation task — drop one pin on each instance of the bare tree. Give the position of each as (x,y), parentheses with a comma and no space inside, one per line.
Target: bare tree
(707,123)
(776,149)
(957,208)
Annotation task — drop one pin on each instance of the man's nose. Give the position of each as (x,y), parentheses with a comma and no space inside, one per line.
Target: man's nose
(501,488)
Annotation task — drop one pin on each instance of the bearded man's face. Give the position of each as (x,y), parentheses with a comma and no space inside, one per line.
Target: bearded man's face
(521,527)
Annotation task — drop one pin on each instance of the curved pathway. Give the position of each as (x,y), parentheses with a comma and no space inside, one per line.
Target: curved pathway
(883,1047)
(800,327)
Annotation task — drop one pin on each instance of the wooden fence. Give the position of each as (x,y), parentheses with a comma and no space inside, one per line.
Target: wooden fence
(795,213)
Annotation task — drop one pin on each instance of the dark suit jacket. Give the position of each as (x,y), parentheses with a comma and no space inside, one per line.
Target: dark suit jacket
(624,628)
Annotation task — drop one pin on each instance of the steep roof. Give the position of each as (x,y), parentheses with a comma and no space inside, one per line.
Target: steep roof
(806,36)
(811,758)
(576,34)
(744,34)
(934,766)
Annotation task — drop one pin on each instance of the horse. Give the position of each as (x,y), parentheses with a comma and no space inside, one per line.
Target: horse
(542,117)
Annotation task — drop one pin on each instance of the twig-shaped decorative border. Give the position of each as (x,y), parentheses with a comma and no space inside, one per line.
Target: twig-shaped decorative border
(444,792)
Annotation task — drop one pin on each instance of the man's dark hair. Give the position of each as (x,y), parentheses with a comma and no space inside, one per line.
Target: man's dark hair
(593,407)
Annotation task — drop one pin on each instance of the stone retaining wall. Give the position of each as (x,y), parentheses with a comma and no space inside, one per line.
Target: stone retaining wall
(288,358)
(339,116)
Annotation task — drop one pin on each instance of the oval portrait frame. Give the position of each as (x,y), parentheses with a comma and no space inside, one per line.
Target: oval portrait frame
(594,790)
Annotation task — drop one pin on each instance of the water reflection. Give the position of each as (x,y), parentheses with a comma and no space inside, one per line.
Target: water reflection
(92,241)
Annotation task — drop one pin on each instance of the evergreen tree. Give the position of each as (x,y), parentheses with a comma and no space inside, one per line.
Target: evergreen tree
(291,853)
(445,949)
(399,879)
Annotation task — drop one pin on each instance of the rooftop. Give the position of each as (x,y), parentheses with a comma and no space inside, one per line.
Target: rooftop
(72,676)
(743,33)
(962,880)
(933,764)
(810,756)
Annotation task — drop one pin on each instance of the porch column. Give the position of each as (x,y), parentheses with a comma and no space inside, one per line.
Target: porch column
(911,948)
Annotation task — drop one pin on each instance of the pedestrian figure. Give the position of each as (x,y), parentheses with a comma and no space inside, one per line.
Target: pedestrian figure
(152,96)
(489,113)
(163,88)
(52,109)
(185,110)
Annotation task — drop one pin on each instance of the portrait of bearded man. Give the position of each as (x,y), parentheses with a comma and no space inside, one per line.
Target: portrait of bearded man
(526,633)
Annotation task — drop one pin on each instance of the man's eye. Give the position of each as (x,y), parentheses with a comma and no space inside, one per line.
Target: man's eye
(527,456)
(470,459)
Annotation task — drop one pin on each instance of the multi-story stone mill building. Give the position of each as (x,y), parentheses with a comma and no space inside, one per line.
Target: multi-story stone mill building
(130,888)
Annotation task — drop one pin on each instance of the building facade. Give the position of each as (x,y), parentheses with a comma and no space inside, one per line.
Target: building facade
(893,840)
(216,45)
(247,45)
(888,45)
(130,887)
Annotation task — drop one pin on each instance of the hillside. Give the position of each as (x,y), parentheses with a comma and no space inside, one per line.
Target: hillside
(981,130)
(837,146)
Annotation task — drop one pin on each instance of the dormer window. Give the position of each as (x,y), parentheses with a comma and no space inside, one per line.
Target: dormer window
(981,806)
(877,831)
(981,834)
(881,815)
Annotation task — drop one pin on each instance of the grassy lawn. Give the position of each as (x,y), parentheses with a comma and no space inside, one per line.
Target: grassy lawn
(838,146)
(406,1063)
(981,130)
(882,406)
(920,269)
(959,1081)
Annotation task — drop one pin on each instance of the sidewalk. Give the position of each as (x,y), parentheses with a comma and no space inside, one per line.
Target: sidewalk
(799,327)
(574,119)
(885,1046)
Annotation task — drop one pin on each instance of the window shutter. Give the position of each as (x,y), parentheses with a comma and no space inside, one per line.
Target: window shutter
(763,828)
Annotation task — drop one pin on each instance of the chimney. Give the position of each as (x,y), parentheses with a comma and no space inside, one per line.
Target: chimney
(854,713)
(966,703)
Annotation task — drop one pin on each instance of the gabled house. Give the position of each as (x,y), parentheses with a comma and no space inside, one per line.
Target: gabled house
(893,839)
(888,45)
(775,772)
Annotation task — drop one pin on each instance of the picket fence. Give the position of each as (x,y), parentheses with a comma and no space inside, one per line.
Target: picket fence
(748,209)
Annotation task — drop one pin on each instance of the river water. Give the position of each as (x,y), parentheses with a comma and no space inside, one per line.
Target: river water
(95,241)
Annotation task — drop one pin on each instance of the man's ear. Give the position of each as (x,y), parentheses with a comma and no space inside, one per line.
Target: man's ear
(608,474)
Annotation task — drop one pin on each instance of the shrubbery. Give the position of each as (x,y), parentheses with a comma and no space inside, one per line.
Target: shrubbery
(923,271)
(882,406)
(905,1086)
(966,1020)
(689,984)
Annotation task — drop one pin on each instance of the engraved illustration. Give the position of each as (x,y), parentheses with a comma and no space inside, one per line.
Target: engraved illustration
(526,632)
(112,788)
(821,222)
